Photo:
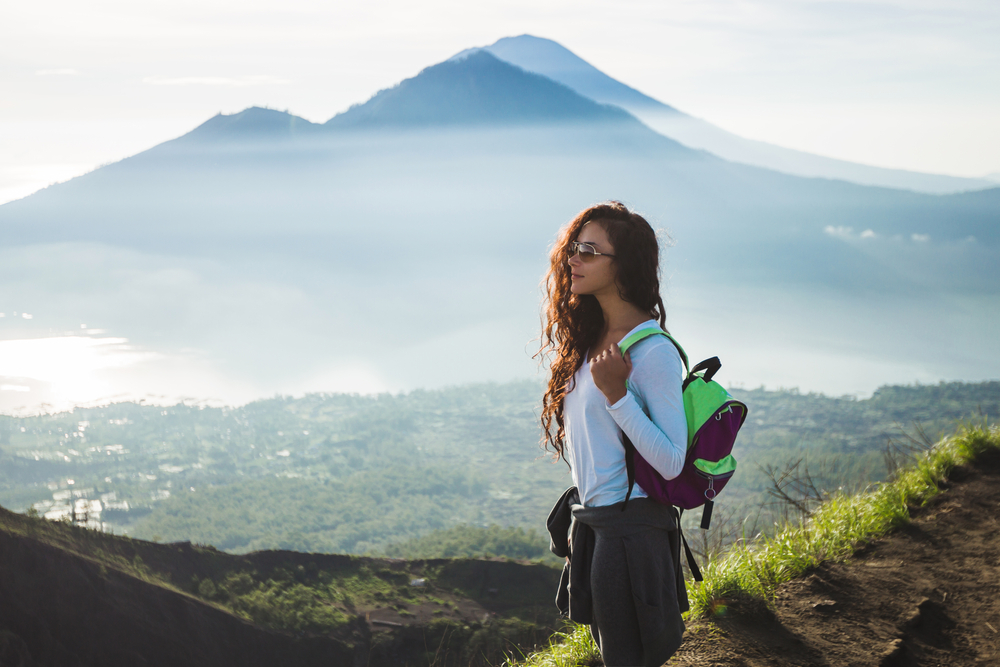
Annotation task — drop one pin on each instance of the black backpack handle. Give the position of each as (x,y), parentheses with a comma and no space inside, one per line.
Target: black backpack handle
(710,366)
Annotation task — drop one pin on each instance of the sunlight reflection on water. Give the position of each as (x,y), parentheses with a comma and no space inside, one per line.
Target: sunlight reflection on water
(63,370)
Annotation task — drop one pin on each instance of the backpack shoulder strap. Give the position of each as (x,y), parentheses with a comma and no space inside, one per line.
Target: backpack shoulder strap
(654,331)
(629,447)
(629,467)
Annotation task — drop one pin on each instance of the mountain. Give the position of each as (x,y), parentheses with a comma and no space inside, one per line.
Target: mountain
(401,244)
(548,58)
(253,124)
(552,60)
(447,117)
(476,89)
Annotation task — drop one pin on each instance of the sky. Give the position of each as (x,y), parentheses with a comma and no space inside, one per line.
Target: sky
(911,84)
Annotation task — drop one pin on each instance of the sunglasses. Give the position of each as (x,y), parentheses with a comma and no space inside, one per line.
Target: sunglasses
(586,251)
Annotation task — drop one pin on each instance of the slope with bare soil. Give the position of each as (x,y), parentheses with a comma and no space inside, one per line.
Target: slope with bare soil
(927,594)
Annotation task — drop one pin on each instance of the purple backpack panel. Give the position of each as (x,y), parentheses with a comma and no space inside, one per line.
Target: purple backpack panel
(713,443)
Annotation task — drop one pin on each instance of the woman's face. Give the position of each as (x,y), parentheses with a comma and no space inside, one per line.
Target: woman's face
(595,274)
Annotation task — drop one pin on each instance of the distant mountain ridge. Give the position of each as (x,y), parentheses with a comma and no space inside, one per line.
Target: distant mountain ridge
(500,108)
(551,59)
(258,123)
(477,89)
(552,84)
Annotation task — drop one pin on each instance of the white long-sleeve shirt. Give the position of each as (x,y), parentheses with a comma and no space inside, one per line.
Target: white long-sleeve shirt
(651,413)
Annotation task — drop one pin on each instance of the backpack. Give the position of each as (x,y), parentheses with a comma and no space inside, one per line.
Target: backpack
(713,420)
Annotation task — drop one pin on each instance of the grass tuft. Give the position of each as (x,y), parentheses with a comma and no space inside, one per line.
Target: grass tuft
(574,648)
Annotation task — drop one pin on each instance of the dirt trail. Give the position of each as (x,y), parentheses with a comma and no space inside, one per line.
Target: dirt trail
(928,594)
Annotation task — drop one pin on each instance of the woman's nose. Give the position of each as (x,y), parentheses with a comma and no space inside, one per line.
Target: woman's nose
(574,259)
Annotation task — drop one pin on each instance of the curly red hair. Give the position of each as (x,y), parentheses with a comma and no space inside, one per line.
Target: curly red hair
(573,322)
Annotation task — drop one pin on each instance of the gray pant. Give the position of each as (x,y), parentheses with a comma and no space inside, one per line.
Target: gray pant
(636,618)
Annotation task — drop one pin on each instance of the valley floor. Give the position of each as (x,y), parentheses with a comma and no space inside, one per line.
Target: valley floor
(924,595)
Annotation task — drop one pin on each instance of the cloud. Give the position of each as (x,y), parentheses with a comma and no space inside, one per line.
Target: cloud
(235,82)
(63,71)
(847,233)
(844,232)
(839,231)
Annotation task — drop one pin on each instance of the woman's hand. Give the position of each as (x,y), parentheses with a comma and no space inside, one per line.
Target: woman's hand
(610,371)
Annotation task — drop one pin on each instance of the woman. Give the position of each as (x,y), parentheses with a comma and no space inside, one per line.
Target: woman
(602,285)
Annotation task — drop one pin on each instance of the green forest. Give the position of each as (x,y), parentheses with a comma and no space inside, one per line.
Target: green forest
(450,472)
